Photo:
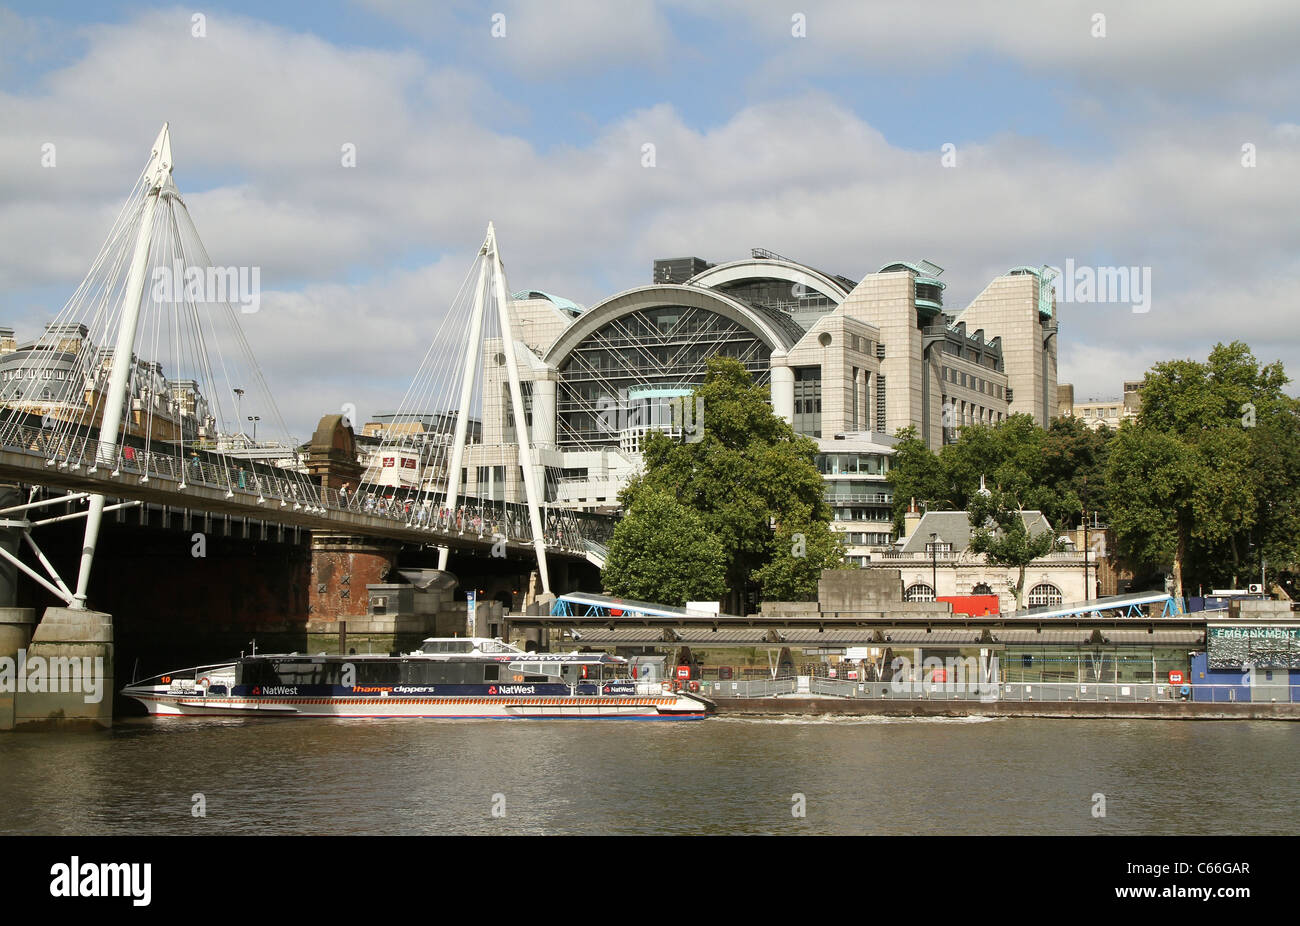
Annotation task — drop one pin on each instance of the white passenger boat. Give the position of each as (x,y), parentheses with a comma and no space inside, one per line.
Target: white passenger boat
(457,677)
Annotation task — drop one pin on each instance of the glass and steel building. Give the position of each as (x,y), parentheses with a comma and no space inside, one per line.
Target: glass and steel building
(848,363)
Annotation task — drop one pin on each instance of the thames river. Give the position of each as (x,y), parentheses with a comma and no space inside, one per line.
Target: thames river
(724,775)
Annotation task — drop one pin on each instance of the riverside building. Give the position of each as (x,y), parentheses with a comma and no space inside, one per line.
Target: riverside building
(849,363)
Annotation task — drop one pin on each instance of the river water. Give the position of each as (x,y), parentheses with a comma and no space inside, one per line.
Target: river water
(724,775)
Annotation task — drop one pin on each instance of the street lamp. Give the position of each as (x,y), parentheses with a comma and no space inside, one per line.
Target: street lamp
(1087,548)
(255,419)
(239,394)
(934,564)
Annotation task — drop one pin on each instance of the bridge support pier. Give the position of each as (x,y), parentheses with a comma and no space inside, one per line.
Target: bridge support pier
(10,537)
(67,679)
(342,565)
(15,634)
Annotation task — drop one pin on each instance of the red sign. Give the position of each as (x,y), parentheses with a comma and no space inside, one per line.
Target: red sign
(408,463)
(683,671)
(388,462)
(1175,677)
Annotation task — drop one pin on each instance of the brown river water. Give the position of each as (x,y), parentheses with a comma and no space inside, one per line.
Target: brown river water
(724,775)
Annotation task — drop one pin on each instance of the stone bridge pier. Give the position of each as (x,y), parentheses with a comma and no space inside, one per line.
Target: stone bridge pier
(58,673)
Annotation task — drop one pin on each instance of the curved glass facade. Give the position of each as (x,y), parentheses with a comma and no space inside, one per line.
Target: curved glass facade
(605,391)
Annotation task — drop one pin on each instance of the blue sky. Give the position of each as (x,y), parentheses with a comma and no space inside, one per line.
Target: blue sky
(1123,147)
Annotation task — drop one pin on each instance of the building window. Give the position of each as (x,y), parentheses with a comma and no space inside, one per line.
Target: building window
(1044,595)
(856,396)
(880,403)
(981,589)
(919,592)
(808,401)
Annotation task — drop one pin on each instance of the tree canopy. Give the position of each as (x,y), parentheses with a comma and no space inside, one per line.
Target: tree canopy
(1058,470)
(662,552)
(1208,478)
(752,482)
(999,532)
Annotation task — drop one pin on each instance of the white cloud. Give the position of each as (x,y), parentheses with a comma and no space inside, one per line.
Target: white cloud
(1168,47)
(349,256)
(543,39)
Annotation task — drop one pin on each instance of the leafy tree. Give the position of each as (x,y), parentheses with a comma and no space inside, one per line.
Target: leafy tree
(915,473)
(800,551)
(1207,480)
(1149,480)
(1000,533)
(749,472)
(1074,471)
(662,552)
(1044,470)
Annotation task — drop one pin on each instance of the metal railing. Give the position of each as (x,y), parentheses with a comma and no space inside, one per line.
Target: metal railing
(277,487)
(748,688)
(1041,692)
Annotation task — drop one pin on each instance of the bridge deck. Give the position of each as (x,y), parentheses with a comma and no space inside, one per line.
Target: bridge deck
(151,478)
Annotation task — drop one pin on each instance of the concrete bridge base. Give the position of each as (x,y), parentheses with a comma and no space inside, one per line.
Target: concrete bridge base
(16,625)
(68,675)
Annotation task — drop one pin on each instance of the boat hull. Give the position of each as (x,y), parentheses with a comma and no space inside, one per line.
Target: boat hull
(636,707)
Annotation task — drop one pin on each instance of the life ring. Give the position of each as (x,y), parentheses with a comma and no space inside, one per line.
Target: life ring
(204,682)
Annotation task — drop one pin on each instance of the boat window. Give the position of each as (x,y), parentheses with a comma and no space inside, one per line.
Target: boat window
(491,673)
(255,672)
(374,672)
(420,672)
(447,646)
(298,673)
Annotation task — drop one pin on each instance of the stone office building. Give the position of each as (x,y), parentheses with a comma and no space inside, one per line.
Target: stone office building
(849,362)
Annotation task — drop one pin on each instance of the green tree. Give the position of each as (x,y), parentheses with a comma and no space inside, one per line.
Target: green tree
(1149,479)
(662,552)
(1000,533)
(747,473)
(1206,480)
(799,552)
(1044,470)
(1074,471)
(915,473)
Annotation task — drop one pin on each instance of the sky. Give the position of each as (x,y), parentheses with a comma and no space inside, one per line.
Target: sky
(976,134)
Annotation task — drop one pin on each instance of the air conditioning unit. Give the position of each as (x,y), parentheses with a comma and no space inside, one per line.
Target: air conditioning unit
(1256,588)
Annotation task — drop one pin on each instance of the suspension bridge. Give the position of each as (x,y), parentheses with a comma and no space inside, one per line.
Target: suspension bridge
(155,418)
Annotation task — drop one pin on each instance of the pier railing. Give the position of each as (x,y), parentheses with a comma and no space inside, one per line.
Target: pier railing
(972,690)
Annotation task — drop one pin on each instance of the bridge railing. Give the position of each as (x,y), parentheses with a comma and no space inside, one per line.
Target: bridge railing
(562,529)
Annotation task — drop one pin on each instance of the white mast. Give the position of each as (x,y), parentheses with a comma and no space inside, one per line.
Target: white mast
(157,175)
(526,461)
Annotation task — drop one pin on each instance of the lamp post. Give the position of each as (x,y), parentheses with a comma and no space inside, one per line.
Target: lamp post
(239,394)
(255,419)
(934,564)
(1087,548)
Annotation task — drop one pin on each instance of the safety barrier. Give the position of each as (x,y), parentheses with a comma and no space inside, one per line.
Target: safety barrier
(973,690)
